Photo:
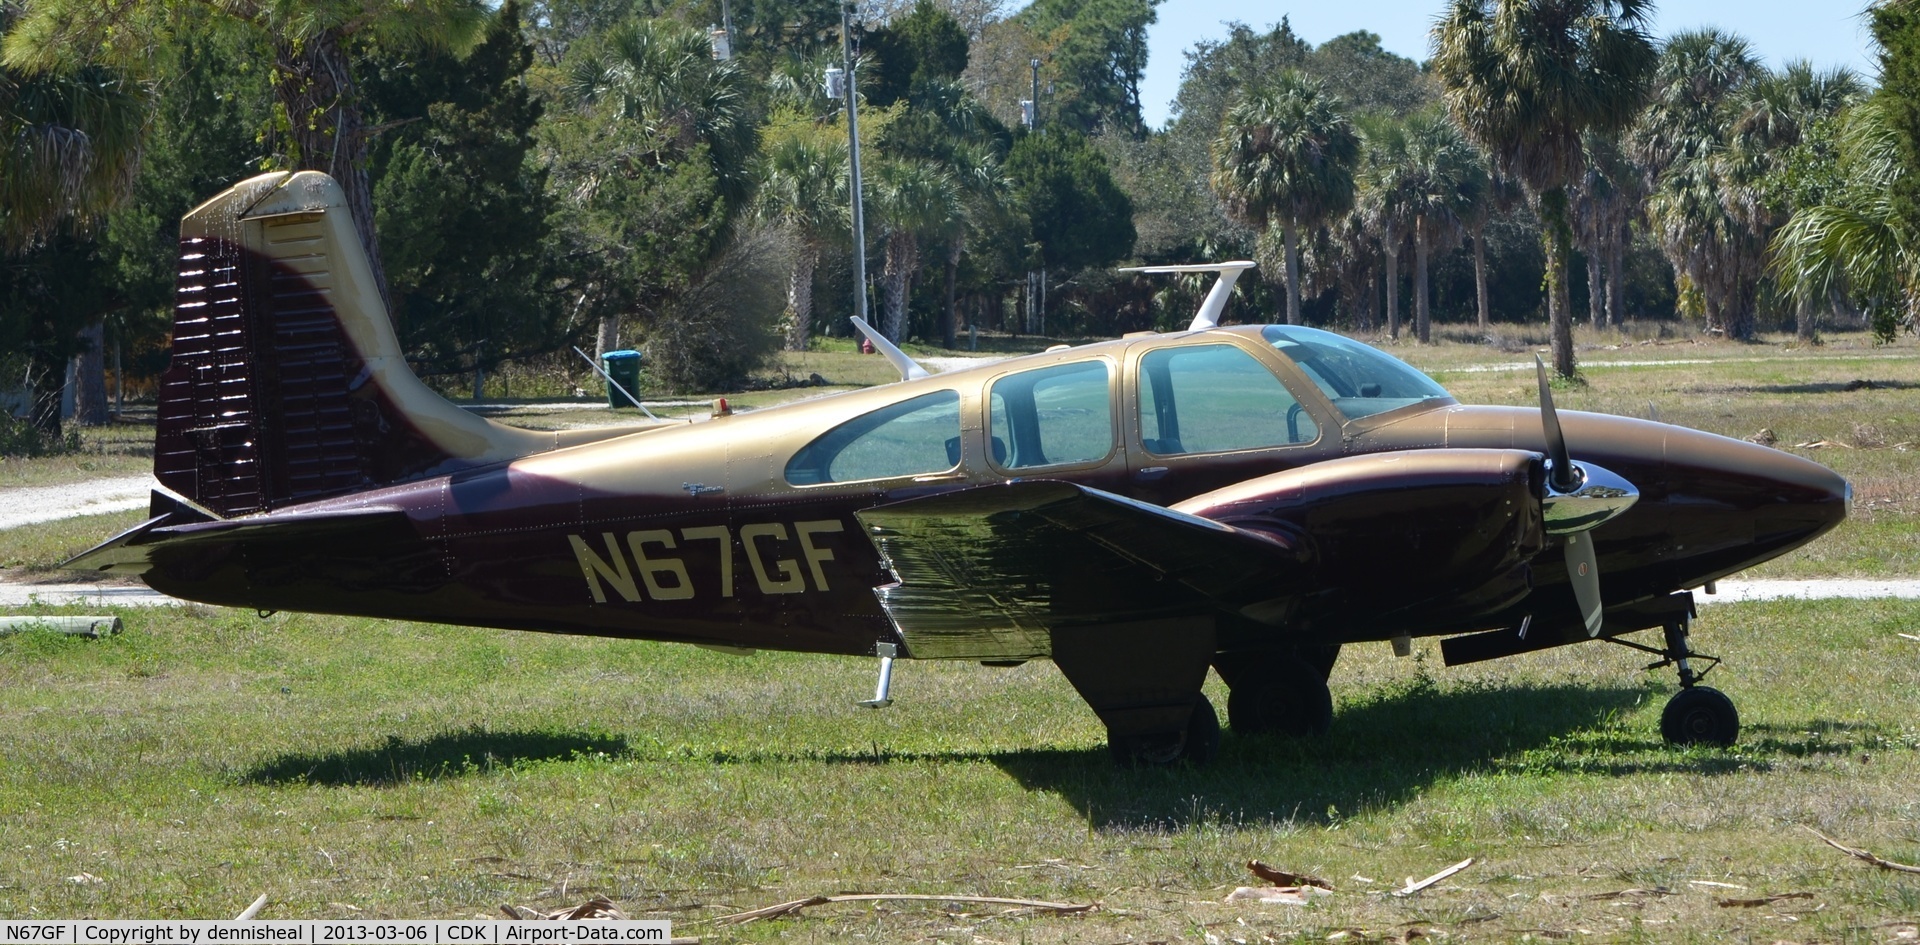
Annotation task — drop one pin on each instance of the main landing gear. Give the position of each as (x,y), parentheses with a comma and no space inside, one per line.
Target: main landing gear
(1283,691)
(1697,715)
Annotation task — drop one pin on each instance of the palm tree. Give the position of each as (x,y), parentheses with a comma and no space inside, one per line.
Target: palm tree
(912,200)
(983,190)
(1776,116)
(803,188)
(1384,204)
(1443,179)
(1525,79)
(662,77)
(1858,242)
(69,146)
(312,64)
(1500,194)
(947,126)
(1605,201)
(1285,156)
(1704,204)
(1347,253)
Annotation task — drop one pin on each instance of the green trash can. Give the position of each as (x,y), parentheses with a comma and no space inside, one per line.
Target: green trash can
(623,367)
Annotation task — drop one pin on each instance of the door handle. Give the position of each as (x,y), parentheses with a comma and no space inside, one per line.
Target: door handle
(1150,474)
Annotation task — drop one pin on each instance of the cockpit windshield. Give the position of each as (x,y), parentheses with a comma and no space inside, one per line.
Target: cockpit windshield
(1360,379)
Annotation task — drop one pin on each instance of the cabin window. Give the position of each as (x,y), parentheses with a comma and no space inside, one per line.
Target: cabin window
(1215,398)
(910,438)
(1360,379)
(1052,416)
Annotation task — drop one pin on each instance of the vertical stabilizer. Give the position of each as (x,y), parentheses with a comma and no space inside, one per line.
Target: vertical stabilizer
(1216,301)
(287,382)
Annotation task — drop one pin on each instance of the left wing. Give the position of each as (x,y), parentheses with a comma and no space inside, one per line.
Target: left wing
(986,573)
(1370,542)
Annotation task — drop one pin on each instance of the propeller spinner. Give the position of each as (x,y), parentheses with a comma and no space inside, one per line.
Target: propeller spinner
(1580,496)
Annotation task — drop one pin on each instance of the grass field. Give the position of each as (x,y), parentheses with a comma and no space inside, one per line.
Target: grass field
(355,768)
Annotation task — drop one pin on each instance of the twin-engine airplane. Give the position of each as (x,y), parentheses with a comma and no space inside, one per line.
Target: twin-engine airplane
(1248,498)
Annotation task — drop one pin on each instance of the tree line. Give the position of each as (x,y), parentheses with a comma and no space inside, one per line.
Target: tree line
(545,173)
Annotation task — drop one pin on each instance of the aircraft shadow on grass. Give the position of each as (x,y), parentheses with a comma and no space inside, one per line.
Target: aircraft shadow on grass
(1387,751)
(448,754)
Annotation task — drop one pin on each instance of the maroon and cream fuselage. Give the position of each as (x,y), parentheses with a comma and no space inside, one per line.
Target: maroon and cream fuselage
(309,470)
(688,533)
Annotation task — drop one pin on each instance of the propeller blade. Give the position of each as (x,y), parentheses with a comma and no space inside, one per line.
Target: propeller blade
(1564,479)
(1583,572)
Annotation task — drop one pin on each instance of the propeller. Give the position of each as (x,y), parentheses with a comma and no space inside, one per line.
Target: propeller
(1580,496)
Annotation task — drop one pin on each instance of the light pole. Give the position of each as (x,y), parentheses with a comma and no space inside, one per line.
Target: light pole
(722,36)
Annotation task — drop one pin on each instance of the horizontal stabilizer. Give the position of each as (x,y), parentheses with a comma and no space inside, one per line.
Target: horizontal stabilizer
(987,573)
(181,530)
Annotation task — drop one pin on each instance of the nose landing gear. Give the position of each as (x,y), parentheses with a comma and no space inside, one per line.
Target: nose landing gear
(1696,715)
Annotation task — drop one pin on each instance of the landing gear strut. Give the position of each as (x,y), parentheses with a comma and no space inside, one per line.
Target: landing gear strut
(1696,715)
(1196,744)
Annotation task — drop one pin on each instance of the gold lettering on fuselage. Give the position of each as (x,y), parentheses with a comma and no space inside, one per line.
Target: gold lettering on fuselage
(717,533)
(595,567)
(790,581)
(682,584)
(805,531)
(643,563)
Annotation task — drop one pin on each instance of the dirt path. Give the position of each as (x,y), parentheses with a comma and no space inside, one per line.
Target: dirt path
(31,504)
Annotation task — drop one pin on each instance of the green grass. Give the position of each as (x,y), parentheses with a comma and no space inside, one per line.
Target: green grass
(39,548)
(116,449)
(359,768)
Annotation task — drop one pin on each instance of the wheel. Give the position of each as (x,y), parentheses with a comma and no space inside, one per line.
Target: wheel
(1197,744)
(1701,715)
(1286,694)
(1203,732)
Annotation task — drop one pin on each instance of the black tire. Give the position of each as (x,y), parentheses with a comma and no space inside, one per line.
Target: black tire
(1286,695)
(1701,715)
(1197,745)
(1203,733)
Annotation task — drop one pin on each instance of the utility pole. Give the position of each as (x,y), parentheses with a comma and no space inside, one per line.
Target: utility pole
(1033,119)
(853,152)
(1037,283)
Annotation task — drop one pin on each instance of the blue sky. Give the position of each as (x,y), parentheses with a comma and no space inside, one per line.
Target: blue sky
(1829,33)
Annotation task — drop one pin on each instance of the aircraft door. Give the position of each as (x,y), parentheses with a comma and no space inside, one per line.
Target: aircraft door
(1209,415)
(1056,422)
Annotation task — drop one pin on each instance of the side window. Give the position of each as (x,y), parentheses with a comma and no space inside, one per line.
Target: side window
(1051,416)
(1215,398)
(910,438)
